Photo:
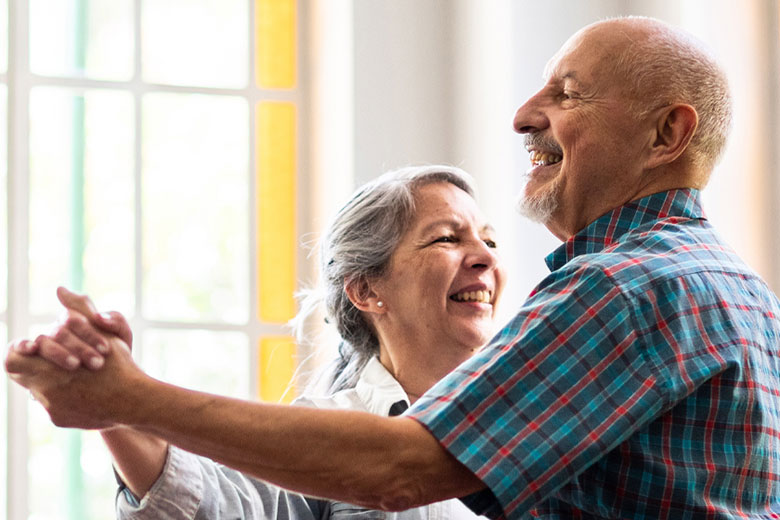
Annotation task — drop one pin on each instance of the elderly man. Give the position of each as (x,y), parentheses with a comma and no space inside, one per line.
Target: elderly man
(640,378)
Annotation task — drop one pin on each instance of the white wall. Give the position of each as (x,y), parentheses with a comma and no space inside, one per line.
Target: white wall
(439,81)
(403,88)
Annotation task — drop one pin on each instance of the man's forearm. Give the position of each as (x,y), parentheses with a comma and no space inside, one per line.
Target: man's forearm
(355,457)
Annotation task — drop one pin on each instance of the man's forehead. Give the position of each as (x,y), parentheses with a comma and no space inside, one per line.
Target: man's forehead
(585,50)
(558,66)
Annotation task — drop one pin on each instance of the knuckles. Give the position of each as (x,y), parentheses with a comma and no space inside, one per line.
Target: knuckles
(61,335)
(74,321)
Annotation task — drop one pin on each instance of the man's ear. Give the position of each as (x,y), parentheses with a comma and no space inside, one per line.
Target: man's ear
(362,295)
(675,126)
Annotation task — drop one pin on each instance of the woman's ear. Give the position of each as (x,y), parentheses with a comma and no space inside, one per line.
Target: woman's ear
(674,130)
(362,296)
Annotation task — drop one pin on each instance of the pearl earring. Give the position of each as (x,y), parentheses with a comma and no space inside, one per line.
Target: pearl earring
(380,304)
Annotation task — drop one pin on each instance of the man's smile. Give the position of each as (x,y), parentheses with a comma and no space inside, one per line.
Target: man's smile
(544,158)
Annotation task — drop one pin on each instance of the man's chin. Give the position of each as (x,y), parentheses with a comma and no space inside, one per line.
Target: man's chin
(535,207)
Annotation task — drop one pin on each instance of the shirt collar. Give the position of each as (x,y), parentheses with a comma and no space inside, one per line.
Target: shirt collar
(378,389)
(608,228)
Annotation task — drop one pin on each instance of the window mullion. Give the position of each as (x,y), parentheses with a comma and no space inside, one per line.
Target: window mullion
(253,331)
(19,84)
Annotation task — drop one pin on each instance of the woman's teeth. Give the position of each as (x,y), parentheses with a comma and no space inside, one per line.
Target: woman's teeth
(544,158)
(472,296)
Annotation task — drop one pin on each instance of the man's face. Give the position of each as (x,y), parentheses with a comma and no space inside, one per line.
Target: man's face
(586,145)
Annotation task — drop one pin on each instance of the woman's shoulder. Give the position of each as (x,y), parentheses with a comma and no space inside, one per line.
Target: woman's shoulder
(375,392)
(347,399)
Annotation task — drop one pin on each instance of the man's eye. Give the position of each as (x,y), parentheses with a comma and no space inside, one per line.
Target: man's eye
(491,243)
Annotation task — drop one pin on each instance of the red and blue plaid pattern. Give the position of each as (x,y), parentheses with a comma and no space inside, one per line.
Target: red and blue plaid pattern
(639,380)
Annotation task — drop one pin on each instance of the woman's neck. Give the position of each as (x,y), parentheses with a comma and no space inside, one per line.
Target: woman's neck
(415,373)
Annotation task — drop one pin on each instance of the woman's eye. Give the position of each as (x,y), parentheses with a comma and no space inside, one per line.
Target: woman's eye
(491,243)
(445,239)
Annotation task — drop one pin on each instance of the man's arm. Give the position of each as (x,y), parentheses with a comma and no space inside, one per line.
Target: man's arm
(76,340)
(386,463)
(376,462)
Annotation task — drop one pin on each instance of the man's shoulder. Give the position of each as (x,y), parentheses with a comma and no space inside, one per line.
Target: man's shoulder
(669,248)
(654,254)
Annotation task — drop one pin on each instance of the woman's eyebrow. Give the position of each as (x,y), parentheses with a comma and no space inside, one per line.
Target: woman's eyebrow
(444,222)
(453,223)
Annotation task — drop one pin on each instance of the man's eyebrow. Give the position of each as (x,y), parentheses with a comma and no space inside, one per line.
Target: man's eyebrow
(569,74)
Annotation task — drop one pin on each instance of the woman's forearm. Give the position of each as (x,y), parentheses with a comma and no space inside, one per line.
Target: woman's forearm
(355,457)
(139,457)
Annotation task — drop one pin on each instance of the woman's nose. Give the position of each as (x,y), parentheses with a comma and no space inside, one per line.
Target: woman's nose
(482,256)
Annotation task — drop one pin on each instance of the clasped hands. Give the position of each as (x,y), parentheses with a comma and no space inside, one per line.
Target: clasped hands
(82,370)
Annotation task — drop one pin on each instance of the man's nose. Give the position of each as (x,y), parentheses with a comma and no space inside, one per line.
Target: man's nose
(530,117)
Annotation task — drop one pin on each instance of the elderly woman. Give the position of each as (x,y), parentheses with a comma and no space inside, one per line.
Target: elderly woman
(408,267)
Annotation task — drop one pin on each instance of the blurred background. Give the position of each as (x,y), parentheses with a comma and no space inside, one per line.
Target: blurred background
(175,159)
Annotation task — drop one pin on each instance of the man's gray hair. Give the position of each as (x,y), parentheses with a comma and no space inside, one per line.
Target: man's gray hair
(357,247)
(669,66)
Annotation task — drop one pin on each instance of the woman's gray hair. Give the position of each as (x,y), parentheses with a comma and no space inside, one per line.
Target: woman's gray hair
(357,247)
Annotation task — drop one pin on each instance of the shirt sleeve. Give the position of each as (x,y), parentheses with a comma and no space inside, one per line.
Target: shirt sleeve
(196,488)
(560,386)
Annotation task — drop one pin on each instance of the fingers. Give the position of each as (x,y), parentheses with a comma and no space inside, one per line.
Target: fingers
(61,356)
(77,325)
(114,323)
(19,365)
(77,302)
(23,346)
(77,334)
(83,346)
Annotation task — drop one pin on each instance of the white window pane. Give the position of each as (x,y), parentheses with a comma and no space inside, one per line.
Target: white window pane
(82,38)
(69,472)
(4,38)
(214,362)
(58,120)
(195,199)
(195,42)
(3,199)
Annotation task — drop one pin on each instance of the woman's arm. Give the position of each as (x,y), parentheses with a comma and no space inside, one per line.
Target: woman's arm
(139,457)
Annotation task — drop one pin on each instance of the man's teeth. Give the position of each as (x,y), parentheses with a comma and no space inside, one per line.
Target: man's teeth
(472,296)
(544,158)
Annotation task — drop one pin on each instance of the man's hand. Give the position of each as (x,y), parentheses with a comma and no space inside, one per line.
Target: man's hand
(80,337)
(77,398)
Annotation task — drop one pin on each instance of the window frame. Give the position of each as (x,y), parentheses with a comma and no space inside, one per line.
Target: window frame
(19,81)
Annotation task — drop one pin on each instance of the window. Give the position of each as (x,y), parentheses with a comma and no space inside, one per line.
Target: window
(153,165)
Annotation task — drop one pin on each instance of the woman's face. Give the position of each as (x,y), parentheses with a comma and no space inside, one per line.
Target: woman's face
(444,278)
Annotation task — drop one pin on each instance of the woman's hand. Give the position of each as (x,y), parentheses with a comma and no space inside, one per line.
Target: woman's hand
(79,338)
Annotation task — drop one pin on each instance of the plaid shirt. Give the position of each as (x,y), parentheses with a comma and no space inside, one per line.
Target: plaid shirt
(639,380)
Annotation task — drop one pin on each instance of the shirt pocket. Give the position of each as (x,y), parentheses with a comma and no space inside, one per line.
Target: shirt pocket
(346,511)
